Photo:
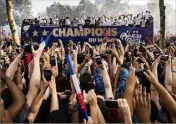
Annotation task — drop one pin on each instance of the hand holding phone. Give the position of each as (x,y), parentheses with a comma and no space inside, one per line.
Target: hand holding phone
(98,60)
(52,61)
(111,104)
(91,52)
(47,75)
(139,60)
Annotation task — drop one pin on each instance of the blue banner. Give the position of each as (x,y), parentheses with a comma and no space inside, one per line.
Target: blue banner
(93,35)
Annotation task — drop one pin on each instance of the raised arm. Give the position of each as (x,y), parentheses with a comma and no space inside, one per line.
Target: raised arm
(107,82)
(54,98)
(75,61)
(37,103)
(86,59)
(125,110)
(165,97)
(19,77)
(121,47)
(74,109)
(13,66)
(92,100)
(35,80)
(62,50)
(168,75)
(17,96)
(130,86)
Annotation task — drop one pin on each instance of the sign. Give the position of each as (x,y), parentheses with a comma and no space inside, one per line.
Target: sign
(93,35)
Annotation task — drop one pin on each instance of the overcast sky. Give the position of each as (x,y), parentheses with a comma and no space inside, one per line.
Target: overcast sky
(40,5)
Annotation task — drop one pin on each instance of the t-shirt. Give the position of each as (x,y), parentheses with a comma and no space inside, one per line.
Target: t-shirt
(138,21)
(93,21)
(67,22)
(130,22)
(147,16)
(123,22)
(87,22)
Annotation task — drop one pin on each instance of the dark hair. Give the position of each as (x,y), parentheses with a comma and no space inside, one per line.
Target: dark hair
(86,82)
(62,83)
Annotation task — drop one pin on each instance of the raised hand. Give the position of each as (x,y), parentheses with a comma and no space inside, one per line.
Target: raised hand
(92,98)
(36,53)
(125,110)
(143,105)
(73,103)
(132,77)
(52,85)
(150,76)
(155,64)
(87,58)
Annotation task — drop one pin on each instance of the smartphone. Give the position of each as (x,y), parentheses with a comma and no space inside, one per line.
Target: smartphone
(91,52)
(139,60)
(17,51)
(98,60)
(111,104)
(47,75)
(164,58)
(80,58)
(142,79)
(104,56)
(27,49)
(52,61)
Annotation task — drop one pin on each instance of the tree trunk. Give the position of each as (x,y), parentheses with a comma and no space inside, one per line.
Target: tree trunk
(162,22)
(9,9)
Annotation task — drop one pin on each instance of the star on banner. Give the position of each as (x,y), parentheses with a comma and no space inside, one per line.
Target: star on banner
(35,33)
(44,32)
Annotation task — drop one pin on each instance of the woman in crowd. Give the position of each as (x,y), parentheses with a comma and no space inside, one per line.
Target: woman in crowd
(131,84)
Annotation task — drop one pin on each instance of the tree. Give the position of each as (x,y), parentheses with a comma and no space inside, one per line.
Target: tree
(22,9)
(9,10)
(162,22)
(114,7)
(85,7)
(153,6)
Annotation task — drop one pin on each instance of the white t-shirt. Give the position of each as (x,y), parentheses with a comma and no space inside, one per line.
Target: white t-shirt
(130,22)
(67,22)
(92,21)
(147,16)
(137,21)
(123,22)
(109,22)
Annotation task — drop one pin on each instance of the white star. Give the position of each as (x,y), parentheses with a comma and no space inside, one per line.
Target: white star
(44,32)
(35,33)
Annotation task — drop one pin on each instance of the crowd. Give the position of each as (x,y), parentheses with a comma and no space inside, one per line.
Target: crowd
(140,20)
(120,84)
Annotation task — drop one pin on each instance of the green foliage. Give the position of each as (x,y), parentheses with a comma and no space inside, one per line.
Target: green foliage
(87,8)
(21,10)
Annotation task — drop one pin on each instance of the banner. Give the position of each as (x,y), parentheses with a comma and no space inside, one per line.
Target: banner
(93,35)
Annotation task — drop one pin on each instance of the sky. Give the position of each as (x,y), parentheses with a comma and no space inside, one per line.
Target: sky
(40,5)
